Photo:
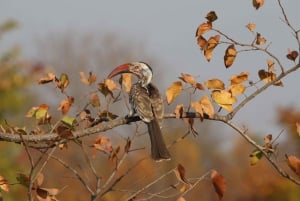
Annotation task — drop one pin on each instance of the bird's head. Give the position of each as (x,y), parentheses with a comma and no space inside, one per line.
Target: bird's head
(142,70)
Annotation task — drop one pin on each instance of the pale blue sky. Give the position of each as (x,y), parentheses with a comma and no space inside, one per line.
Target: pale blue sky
(168,28)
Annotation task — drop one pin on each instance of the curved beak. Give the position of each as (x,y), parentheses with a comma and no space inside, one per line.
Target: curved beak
(124,68)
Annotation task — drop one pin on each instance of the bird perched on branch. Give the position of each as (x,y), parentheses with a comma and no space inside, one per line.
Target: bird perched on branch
(147,103)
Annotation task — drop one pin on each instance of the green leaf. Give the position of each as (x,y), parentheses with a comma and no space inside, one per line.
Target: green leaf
(255,156)
(69,121)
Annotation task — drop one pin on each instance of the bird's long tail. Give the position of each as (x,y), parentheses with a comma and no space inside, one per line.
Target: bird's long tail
(159,149)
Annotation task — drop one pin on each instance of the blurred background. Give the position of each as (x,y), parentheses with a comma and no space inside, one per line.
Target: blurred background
(67,36)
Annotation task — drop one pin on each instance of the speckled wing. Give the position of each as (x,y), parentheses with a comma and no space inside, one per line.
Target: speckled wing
(156,103)
(140,102)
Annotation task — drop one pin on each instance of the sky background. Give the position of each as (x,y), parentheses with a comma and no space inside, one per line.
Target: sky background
(167,29)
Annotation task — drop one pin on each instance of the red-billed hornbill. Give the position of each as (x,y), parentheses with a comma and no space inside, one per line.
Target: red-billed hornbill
(147,103)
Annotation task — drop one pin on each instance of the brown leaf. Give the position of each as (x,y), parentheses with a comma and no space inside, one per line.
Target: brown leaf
(268,77)
(203,28)
(199,86)
(90,80)
(298,127)
(260,40)
(230,55)
(237,79)
(64,131)
(215,84)
(202,42)
(258,3)
(4,185)
(104,89)
(271,65)
(197,107)
(292,55)
(294,163)
(63,82)
(187,78)
(211,16)
(95,100)
(251,27)
(65,105)
(211,45)
(173,91)
(180,174)
(49,78)
(207,106)
(127,146)
(126,80)
(178,111)
(102,143)
(218,182)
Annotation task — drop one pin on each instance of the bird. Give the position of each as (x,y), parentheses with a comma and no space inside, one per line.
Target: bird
(147,103)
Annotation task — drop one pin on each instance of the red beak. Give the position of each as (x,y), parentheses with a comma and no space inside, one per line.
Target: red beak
(124,68)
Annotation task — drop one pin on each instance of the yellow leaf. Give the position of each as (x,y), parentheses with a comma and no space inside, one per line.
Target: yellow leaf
(211,45)
(187,78)
(197,107)
(127,81)
(255,157)
(110,84)
(203,28)
(251,27)
(173,91)
(236,89)
(223,97)
(237,79)
(207,106)
(214,84)
(230,55)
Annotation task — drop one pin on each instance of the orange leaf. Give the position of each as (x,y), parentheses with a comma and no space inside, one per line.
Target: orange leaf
(258,3)
(181,199)
(95,100)
(65,105)
(237,79)
(298,127)
(187,78)
(202,42)
(102,143)
(4,184)
(251,27)
(230,55)
(207,106)
(110,84)
(292,55)
(173,91)
(197,107)
(44,80)
(294,163)
(126,81)
(218,182)
(211,45)
(178,111)
(211,16)
(215,84)
(260,40)
(203,28)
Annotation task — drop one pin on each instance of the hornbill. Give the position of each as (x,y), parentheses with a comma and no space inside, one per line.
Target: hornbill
(147,103)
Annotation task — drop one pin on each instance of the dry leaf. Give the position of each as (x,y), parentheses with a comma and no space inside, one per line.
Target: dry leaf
(178,111)
(202,42)
(44,80)
(215,84)
(223,97)
(126,81)
(258,3)
(199,86)
(237,79)
(236,89)
(110,84)
(298,127)
(268,77)
(292,55)
(95,100)
(91,79)
(187,78)
(251,27)
(211,16)
(203,28)
(102,143)
(260,40)
(63,82)
(104,89)
(207,106)
(173,91)
(65,105)
(181,199)
(294,163)
(197,107)
(211,45)
(271,65)
(180,174)
(230,55)
(4,184)
(218,182)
